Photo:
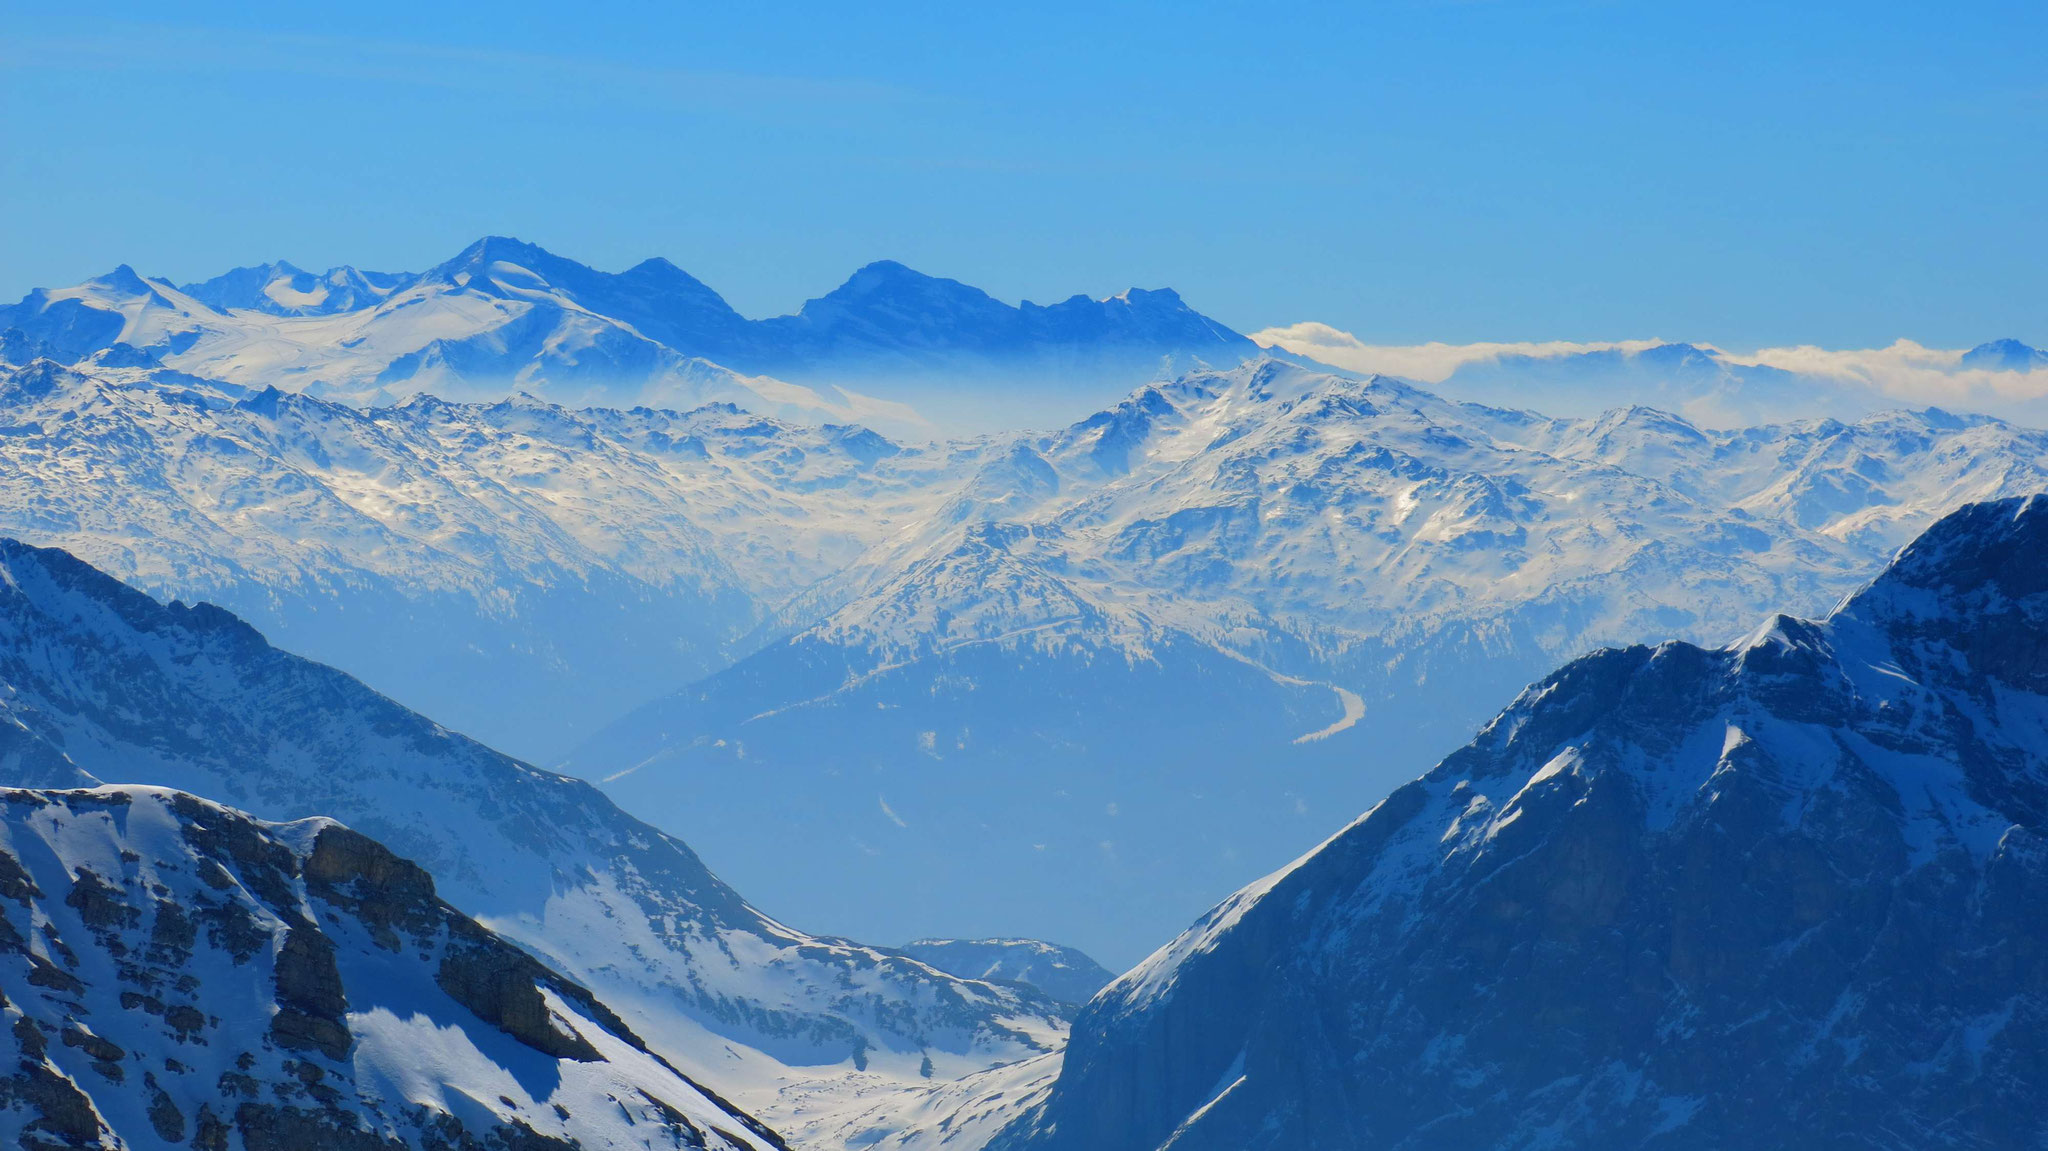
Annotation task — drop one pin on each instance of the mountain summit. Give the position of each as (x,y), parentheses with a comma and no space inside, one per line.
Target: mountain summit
(1783,893)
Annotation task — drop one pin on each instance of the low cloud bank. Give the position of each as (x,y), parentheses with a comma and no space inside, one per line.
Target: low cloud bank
(1850,381)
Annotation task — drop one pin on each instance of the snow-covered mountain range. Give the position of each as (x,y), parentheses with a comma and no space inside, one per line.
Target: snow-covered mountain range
(1781,893)
(1062,677)
(1035,659)
(104,684)
(519,571)
(176,972)
(504,315)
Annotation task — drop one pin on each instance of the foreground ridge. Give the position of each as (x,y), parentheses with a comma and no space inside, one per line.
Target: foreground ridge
(175,969)
(104,684)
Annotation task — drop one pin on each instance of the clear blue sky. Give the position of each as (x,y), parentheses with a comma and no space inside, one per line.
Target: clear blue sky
(1740,173)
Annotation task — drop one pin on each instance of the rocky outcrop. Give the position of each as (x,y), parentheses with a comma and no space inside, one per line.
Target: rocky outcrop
(312,1007)
(502,985)
(212,980)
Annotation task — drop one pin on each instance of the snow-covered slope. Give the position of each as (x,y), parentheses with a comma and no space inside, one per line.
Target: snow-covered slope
(522,572)
(1782,893)
(177,973)
(1132,663)
(281,289)
(100,679)
(504,315)
(1061,972)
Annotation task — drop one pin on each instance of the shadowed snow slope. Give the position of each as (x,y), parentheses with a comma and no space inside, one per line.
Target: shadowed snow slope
(1782,893)
(176,970)
(101,679)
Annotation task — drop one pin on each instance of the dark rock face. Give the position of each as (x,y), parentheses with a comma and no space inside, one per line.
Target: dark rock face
(1785,894)
(501,984)
(209,976)
(312,1007)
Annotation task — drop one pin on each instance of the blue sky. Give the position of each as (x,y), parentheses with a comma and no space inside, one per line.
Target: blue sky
(1744,174)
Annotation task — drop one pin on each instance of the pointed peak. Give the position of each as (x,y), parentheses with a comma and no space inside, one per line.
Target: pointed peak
(124,279)
(494,249)
(491,245)
(2005,356)
(263,403)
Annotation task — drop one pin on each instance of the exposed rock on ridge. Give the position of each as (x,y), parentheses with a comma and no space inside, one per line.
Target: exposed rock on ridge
(209,974)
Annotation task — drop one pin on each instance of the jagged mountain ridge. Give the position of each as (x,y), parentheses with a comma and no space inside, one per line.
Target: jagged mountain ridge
(454,333)
(1321,575)
(283,289)
(175,970)
(105,684)
(1782,893)
(504,314)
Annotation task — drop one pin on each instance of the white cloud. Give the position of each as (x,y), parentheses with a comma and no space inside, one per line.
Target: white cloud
(1907,371)
(1430,363)
(1903,373)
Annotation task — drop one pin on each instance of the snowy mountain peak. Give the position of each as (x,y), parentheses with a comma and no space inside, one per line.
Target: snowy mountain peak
(123,281)
(2005,356)
(500,264)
